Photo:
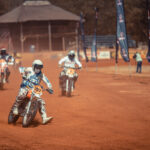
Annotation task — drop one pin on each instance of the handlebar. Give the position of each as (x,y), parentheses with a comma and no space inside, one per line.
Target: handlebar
(48,90)
(70,67)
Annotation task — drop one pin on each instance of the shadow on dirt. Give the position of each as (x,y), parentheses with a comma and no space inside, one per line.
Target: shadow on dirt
(3,89)
(34,123)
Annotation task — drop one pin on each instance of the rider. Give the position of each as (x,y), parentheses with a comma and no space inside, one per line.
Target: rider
(8,58)
(69,61)
(34,75)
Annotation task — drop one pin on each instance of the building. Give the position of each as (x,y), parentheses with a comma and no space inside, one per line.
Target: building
(39,23)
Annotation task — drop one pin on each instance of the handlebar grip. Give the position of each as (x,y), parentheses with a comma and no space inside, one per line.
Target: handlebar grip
(50,91)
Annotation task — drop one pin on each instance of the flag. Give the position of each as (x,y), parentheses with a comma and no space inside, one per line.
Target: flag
(94,49)
(83,36)
(117,48)
(121,30)
(94,42)
(148,53)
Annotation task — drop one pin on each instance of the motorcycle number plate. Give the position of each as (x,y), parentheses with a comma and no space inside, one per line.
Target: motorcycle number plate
(37,89)
(70,71)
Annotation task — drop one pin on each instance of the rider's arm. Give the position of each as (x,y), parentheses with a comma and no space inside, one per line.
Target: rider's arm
(25,71)
(46,81)
(78,63)
(10,60)
(62,61)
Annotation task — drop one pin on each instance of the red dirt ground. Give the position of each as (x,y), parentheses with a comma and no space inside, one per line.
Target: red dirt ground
(106,112)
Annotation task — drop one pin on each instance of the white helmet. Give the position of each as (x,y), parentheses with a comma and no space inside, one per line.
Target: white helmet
(38,64)
(71,54)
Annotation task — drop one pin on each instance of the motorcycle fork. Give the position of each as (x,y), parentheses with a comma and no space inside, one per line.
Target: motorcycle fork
(67,86)
(29,104)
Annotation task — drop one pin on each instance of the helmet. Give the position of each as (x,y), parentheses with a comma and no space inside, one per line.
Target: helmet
(3,51)
(37,64)
(71,54)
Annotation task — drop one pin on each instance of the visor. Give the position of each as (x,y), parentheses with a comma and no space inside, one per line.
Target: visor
(38,66)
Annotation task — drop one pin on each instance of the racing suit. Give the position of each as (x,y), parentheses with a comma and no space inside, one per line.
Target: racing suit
(10,61)
(29,75)
(68,63)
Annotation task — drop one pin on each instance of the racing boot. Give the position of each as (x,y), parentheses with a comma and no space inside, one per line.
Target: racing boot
(42,111)
(46,120)
(75,80)
(7,76)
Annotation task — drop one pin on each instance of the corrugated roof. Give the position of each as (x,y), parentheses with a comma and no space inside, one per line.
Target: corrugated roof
(37,11)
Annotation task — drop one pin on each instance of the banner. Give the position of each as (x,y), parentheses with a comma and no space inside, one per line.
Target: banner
(121,30)
(148,53)
(83,36)
(94,43)
(104,55)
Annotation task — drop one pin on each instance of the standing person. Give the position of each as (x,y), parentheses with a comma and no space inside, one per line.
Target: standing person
(139,60)
(33,76)
(8,58)
(69,61)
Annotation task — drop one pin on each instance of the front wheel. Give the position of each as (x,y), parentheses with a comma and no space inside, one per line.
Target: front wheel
(69,88)
(12,118)
(27,119)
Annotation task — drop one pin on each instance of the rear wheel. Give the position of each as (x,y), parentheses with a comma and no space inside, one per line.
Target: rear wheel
(1,82)
(27,119)
(63,92)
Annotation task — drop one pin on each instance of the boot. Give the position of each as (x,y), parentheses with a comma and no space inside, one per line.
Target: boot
(60,83)
(46,120)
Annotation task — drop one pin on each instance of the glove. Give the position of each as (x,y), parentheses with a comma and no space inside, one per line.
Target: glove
(50,91)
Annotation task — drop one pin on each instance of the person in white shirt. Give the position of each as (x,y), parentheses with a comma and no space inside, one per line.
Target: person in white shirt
(69,61)
(139,60)
(33,76)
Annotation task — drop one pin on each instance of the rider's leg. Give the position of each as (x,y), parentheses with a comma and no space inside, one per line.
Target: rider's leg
(42,111)
(61,78)
(7,74)
(21,95)
(75,78)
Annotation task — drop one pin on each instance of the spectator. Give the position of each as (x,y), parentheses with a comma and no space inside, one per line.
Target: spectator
(139,60)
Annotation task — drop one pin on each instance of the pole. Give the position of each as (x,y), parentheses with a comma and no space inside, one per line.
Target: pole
(77,41)
(63,41)
(96,18)
(50,36)
(117,44)
(116,57)
(129,68)
(21,38)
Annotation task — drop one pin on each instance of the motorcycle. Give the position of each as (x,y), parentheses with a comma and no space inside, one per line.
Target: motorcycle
(29,106)
(3,67)
(67,86)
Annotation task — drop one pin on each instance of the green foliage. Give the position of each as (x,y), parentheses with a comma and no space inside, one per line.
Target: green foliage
(135,12)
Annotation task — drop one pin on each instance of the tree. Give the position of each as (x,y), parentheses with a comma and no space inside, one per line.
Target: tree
(135,12)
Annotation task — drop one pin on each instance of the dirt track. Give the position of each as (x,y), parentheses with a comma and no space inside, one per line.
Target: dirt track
(106,112)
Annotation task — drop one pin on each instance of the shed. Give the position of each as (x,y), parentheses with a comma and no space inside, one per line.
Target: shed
(39,23)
